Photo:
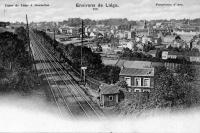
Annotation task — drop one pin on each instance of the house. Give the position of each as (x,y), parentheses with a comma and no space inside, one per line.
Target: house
(138,79)
(139,75)
(168,39)
(109,95)
(178,43)
(172,55)
(92,35)
(140,46)
(193,56)
(156,40)
(127,44)
(131,35)
(65,30)
(120,35)
(172,66)
(130,45)
(153,53)
(4,24)
(142,32)
(75,31)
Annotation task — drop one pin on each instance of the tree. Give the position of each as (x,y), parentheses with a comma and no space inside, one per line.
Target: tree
(114,74)
(12,50)
(127,52)
(170,91)
(148,47)
(2,73)
(114,41)
(195,50)
(99,48)
(188,71)
(122,84)
(177,37)
(21,34)
(91,60)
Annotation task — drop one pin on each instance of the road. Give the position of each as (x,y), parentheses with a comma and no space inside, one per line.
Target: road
(68,96)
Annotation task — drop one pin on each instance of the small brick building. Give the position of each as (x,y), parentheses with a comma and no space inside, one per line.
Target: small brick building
(138,80)
(139,75)
(109,95)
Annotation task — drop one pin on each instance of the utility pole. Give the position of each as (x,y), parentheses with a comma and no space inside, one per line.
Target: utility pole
(82,50)
(54,35)
(27,28)
(53,40)
(83,68)
(29,45)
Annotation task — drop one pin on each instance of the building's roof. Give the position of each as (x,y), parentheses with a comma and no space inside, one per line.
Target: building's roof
(168,39)
(109,61)
(137,64)
(137,72)
(175,53)
(152,52)
(120,63)
(186,38)
(192,54)
(109,89)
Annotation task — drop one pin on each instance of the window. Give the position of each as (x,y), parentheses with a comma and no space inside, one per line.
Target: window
(146,90)
(137,81)
(128,80)
(110,98)
(137,90)
(146,82)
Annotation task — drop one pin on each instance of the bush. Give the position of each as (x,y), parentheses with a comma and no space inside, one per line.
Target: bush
(170,91)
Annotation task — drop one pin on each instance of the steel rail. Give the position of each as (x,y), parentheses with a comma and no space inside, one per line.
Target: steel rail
(43,66)
(75,86)
(54,97)
(75,98)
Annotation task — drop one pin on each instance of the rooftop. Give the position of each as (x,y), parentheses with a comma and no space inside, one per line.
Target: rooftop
(152,52)
(193,54)
(120,63)
(168,39)
(174,52)
(108,61)
(137,72)
(109,89)
(137,64)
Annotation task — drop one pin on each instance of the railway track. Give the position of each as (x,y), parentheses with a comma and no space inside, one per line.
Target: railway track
(62,85)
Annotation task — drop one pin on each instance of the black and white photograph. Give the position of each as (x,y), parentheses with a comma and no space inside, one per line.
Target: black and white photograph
(102,66)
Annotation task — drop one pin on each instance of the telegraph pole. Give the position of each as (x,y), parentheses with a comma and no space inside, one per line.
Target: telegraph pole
(29,45)
(27,28)
(54,35)
(82,50)
(83,68)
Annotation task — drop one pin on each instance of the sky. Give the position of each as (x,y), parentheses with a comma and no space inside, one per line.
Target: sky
(59,10)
